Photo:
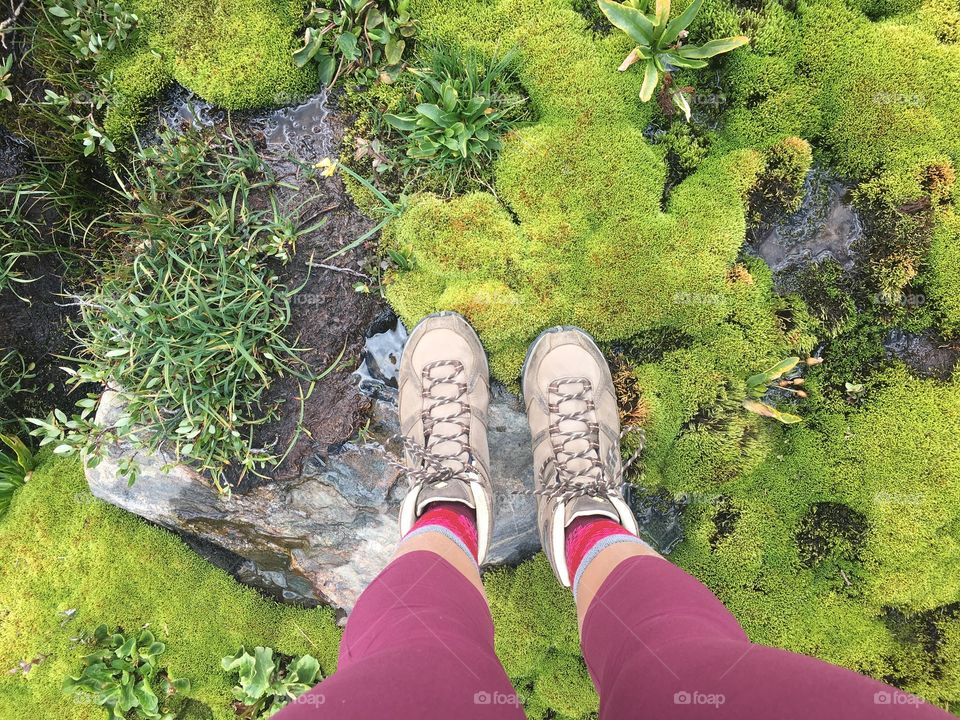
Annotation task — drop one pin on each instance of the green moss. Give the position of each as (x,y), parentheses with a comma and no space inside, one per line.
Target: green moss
(944,269)
(797,578)
(139,78)
(67,551)
(236,54)
(537,641)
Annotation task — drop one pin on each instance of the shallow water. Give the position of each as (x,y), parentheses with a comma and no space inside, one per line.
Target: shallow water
(302,130)
(378,372)
(924,353)
(825,227)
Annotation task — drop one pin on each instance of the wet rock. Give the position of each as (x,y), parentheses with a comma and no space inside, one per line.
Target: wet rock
(825,227)
(924,353)
(659,516)
(324,535)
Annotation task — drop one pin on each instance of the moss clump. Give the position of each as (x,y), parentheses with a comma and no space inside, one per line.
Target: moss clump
(838,521)
(537,641)
(139,78)
(76,562)
(236,54)
(943,274)
(780,187)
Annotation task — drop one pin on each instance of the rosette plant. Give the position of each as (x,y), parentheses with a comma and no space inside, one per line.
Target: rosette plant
(660,42)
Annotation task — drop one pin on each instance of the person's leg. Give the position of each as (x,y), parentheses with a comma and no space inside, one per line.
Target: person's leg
(419,642)
(657,642)
(656,638)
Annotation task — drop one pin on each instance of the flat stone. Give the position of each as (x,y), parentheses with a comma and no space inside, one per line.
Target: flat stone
(323,536)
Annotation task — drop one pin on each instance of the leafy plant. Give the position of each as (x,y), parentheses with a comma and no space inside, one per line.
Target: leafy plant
(15,469)
(356,37)
(14,371)
(92,26)
(77,111)
(453,120)
(6,73)
(122,675)
(192,331)
(389,208)
(264,687)
(774,377)
(660,43)
(18,233)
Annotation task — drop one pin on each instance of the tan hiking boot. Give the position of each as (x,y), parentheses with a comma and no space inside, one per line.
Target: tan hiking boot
(572,411)
(444,393)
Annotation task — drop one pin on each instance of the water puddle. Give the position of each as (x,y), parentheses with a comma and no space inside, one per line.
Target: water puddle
(378,372)
(659,517)
(825,227)
(925,354)
(303,130)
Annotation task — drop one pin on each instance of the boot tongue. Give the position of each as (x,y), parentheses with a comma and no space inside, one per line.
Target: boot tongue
(584,506)
(451,491)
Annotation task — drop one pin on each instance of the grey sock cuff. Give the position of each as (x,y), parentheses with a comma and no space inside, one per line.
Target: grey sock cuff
(446,532)
(599,547)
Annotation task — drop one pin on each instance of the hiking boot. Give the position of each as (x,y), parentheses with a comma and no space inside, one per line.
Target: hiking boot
(572,411)
(444,393)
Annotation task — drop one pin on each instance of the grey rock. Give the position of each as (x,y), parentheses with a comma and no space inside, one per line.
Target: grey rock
(323,536)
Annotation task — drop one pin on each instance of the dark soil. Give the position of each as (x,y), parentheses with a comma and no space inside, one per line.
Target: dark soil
(330,318)
(35,323)
(38,330)
(13,155)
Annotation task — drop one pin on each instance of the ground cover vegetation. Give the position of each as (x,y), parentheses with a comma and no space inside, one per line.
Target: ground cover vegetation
(537,178)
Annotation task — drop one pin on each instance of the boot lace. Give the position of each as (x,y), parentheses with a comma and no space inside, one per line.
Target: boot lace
(577,465)
(445,454)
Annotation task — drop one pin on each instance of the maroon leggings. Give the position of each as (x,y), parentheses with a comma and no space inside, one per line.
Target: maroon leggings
(658,644)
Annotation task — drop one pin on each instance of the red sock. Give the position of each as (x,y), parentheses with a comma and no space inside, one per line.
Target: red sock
(584,533)
(452,518)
